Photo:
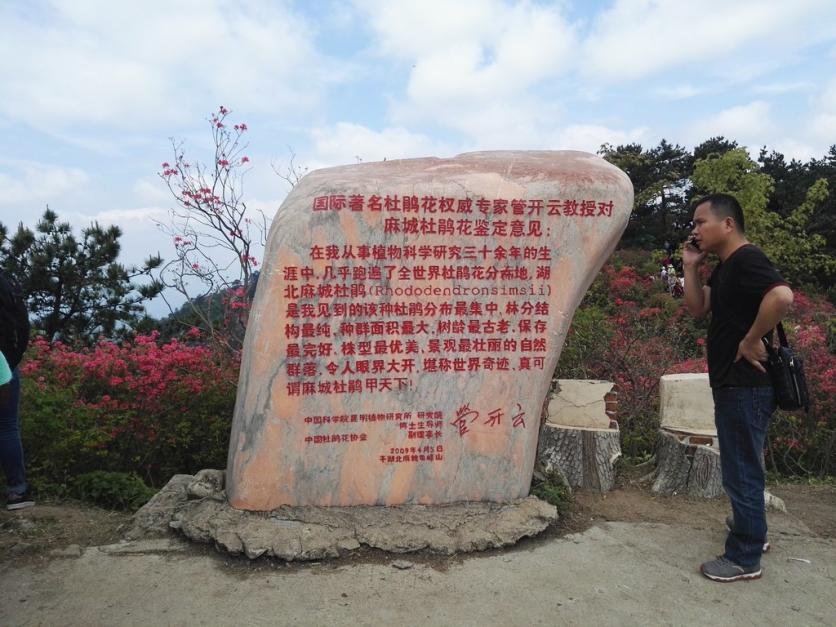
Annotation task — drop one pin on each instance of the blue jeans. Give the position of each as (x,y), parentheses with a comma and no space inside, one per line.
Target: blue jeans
(11,450)
(742,418)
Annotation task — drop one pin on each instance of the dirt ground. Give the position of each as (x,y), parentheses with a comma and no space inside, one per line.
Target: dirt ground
(34,533)
(38,533)
(814,506)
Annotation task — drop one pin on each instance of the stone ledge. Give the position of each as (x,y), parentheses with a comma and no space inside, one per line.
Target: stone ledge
(311,533)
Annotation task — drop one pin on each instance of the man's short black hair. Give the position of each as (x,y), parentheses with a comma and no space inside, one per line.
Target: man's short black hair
(724,206)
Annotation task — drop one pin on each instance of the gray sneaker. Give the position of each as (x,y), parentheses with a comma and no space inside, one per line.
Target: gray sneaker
(725,570)
(16,501)
(730,524)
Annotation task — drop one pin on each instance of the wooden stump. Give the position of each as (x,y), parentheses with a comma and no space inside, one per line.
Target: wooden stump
(685,467)
(584,457)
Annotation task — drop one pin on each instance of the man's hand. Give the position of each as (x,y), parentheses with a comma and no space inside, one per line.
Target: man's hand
(752,351)
(691,255)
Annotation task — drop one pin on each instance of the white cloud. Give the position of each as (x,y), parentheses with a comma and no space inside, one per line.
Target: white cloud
(754,125)
(122,65)
(749,124)
(261,211)
(778,88)
(28,183)
(826,99)
(409,30)
(150,190)
(679,92)
(637,38)
(345,143)
(476,69)
(821,127)
(140,233)
(511,125)
(590,137)
(122,217)
(791,148)
(824,125)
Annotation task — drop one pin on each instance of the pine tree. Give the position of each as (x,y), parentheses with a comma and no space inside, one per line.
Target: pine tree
(75,288)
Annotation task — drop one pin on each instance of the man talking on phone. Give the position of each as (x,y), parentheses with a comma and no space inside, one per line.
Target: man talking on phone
(746,297)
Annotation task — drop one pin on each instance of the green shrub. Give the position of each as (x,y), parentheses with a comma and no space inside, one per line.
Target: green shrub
(586,344)
(551,488)
(117,490)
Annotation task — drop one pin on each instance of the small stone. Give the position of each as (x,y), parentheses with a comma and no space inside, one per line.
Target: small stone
(773,502)
(255,553)
(20,547)
(149,545)
(24,524)
(73,550)
(402,564)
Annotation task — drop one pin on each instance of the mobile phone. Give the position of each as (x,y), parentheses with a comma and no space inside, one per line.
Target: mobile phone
(693,242)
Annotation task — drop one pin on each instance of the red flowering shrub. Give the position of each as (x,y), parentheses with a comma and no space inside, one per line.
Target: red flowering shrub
(149,408)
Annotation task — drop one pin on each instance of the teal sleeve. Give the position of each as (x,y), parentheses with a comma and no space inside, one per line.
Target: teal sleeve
(5,371)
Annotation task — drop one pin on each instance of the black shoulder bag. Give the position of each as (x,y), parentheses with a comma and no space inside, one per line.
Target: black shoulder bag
(786,370)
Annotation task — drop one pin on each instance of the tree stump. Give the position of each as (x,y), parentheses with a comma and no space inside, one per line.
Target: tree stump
(687,453)
(579,438)
(583,457)
(687,464)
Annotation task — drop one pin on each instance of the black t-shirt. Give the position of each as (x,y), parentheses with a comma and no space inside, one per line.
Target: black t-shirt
(738,285)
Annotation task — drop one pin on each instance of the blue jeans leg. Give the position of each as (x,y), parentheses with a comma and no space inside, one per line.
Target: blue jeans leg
(11,449)
(742,418)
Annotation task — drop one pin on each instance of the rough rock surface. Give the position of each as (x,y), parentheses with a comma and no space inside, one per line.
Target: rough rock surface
(155,515)
(311,533)
(408,317)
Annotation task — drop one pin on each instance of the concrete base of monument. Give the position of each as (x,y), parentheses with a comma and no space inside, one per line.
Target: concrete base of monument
(196,506)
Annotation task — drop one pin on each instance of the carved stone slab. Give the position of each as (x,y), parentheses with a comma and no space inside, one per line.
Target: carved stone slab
(686,403)
(406,325)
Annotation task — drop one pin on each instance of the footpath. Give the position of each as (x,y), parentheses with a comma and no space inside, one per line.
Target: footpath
(611,573)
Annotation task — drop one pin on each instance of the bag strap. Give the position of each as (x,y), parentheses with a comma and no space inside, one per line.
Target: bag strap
(782,337)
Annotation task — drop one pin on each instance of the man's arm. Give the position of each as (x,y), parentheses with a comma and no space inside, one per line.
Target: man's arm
(774,306)
(697,297)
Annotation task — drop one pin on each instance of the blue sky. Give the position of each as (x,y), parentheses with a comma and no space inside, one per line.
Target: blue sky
(92,90)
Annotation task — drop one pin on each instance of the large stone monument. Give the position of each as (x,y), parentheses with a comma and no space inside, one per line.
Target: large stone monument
(406,325)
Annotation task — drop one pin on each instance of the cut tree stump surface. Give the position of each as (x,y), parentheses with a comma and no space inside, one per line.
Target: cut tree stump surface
(687,468)
(584,457)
